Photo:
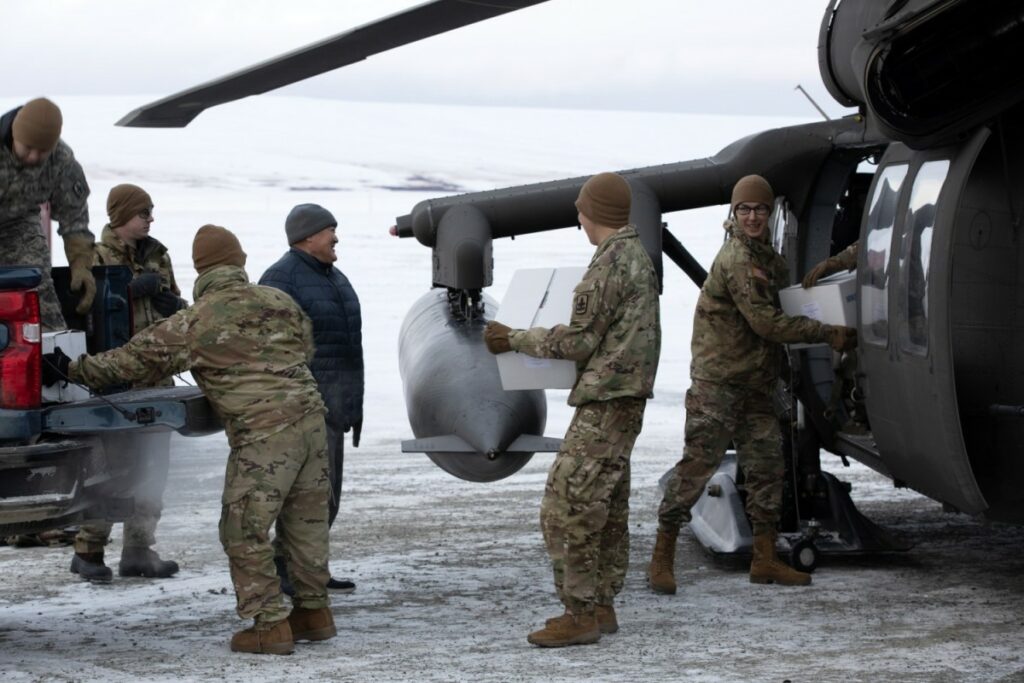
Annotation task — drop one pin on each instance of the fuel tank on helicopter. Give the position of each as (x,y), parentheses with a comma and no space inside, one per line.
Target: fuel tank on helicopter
(463,420)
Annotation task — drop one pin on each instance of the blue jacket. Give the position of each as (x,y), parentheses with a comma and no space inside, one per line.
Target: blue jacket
(327,297)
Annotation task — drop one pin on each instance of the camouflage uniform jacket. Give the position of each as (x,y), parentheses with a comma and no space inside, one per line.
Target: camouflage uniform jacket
(247,347)
(147,256)
(58,180)
(614,334)
(738,327)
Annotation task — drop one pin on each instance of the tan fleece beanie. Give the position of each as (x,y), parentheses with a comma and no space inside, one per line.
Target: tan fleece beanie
(605,199)
(125,202)
(38,124)
(752,189)
(216,246)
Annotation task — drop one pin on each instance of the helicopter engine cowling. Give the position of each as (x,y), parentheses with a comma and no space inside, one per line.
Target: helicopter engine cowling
(924,70)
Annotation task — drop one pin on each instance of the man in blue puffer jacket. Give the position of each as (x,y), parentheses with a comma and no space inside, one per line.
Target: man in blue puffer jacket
(306,272)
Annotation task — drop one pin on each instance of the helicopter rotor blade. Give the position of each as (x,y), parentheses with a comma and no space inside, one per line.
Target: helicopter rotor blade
(402,28)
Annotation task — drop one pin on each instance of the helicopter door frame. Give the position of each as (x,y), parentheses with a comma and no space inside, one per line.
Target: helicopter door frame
(903,311)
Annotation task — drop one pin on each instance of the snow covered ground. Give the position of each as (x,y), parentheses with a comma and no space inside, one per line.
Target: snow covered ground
(452,575)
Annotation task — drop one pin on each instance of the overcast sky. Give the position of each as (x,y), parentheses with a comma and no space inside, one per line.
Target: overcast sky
(716,56)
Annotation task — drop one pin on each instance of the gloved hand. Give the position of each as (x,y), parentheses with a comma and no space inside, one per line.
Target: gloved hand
(496,337)
(144,284)
(823,269)
(167,303)
(78,247)
(55,367)
(841,338)
(357,430)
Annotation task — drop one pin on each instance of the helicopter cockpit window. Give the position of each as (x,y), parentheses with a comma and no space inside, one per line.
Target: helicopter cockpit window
(915,255)
(874,279)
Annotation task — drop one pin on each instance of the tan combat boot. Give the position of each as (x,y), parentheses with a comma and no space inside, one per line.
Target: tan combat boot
(274,640)
(660,574)
(568,629)
(766,567)
(312,624)
(605,615)
(606,620)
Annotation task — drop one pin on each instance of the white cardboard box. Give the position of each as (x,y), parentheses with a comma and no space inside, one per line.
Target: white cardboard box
(71,342)
(537,297)
(832,301)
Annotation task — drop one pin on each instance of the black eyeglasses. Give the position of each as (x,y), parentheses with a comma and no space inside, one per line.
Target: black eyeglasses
(761,210)
(146,214)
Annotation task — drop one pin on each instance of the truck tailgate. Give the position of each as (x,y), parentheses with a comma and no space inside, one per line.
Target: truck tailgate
(183,409)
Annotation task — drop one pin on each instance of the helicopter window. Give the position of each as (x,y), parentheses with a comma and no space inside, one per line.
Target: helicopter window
(874,280)
(915,255)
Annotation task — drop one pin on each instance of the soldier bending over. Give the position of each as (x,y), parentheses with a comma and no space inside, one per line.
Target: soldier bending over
(247,347)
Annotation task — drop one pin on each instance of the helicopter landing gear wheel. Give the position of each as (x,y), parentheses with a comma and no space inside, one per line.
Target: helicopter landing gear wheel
(804,556)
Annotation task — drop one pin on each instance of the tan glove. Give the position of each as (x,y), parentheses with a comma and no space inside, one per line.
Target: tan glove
(496,337)
(823,269)
(79,250)
(841,338)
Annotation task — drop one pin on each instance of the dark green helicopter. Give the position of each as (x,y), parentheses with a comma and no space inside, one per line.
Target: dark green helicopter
(939,381)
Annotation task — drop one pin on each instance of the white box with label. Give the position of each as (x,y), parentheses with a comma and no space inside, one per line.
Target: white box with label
(538,297)
(72,343)
(832,301)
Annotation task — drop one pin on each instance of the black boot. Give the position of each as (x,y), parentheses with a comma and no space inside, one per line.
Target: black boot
(91,568)
(341,585)
(145,562)
(282,570)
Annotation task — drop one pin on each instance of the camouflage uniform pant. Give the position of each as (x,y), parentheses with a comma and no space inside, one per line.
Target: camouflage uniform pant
(585,511)
(152,453)
(24,245)
(715,415)
(335,460)
(282,479)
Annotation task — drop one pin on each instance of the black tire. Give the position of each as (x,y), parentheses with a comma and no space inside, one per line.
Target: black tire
(804,556)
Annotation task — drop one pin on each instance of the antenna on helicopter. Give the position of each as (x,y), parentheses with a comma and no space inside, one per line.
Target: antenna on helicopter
(811,100)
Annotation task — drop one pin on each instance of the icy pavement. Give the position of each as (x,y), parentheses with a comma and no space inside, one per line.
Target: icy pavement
(452,576)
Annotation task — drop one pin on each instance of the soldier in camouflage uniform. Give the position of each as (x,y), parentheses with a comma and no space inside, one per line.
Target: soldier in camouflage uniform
(37,167)
(125,241)
(738,330)
(614,336)
(248,347)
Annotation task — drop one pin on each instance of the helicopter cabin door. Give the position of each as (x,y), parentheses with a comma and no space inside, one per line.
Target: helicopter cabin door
(904,290)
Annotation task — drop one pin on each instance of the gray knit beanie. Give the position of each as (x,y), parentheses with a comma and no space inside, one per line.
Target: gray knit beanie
(305,220)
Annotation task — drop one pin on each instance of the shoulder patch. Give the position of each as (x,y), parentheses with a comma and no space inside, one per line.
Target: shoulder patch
(582,303)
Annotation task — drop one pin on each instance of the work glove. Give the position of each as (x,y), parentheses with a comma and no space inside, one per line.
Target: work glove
(496,337)
(823,269)
(78,247)
(55,367)
(841,338)
(167,303)
(144,284)
(357,430)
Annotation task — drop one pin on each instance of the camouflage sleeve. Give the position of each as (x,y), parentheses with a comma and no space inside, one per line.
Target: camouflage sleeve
(847,258)
(168,271)
(752,293)
(595,303)
(69,201)
(159,351)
